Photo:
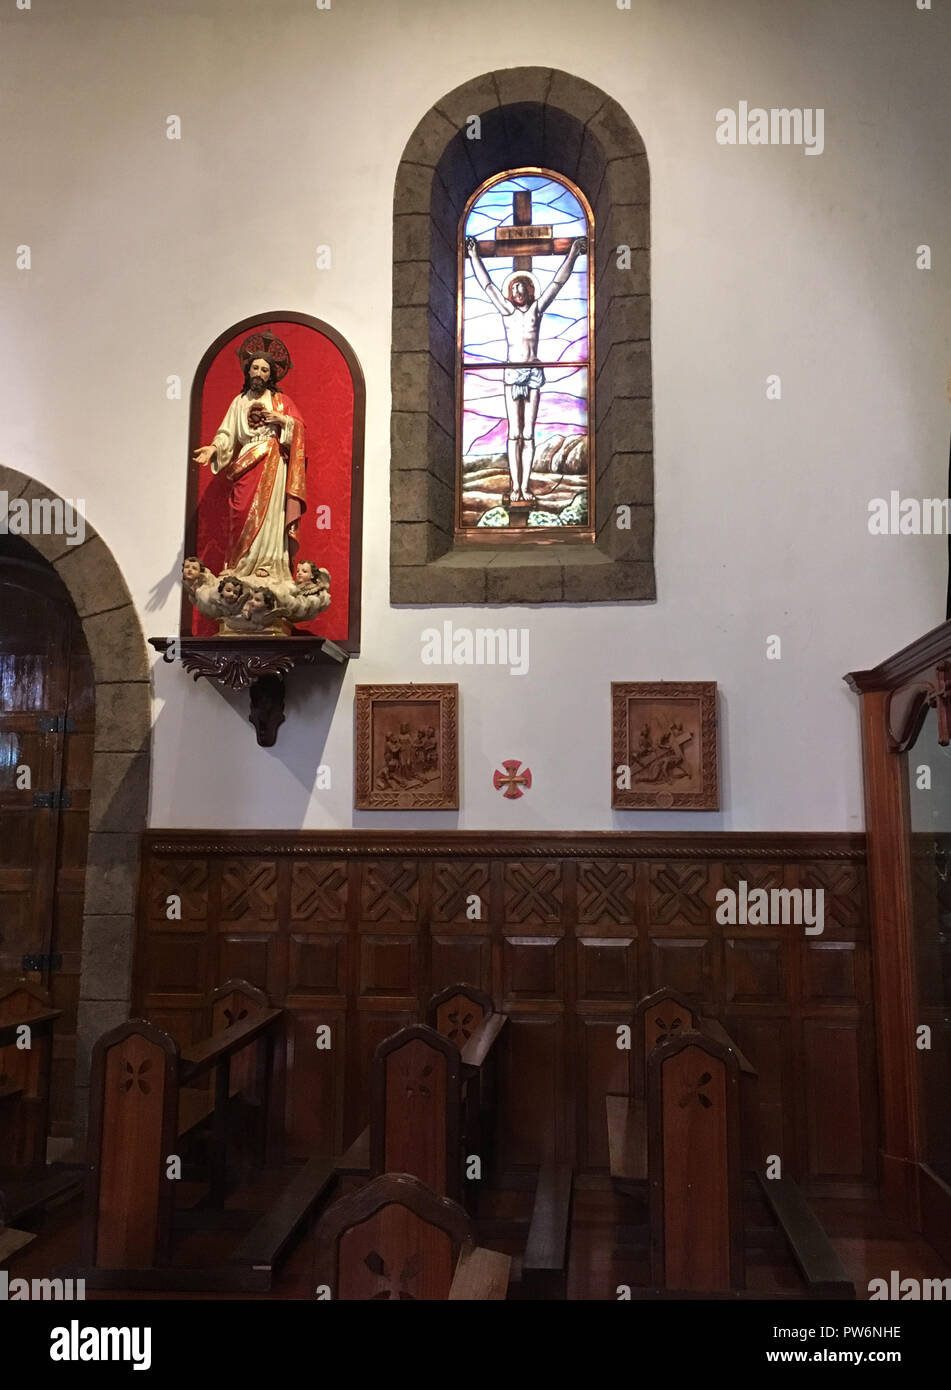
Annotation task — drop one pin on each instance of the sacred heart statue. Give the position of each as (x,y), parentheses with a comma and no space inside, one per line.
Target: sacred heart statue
(274,507)
(259,585)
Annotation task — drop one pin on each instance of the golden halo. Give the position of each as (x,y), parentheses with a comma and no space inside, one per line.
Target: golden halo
(520,275)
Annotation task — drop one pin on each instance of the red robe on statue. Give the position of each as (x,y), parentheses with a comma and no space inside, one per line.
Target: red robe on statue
(266,469)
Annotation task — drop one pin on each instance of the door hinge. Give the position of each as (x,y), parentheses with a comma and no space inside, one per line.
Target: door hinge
(52,801)
(56,724)
(43,963)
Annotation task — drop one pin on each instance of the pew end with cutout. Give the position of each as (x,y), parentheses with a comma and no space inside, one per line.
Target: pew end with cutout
(693,1154)
(397,1239)
(29,1186)
(138,1122)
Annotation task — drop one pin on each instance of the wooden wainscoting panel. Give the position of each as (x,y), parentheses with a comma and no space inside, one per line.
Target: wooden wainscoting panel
(564,931)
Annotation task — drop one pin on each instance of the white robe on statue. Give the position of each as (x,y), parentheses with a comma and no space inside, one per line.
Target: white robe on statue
(269,548)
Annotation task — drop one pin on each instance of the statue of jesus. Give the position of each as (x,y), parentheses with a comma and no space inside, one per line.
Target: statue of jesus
(260,443)
(521,308)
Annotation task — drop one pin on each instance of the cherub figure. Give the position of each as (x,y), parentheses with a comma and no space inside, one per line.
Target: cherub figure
(200,585)
(192,571)
(310,592)
(310,578)
(231,592)
(259,606)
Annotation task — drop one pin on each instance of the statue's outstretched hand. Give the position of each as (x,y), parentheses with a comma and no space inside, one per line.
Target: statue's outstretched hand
(580,246)
(470,245)
(205,455)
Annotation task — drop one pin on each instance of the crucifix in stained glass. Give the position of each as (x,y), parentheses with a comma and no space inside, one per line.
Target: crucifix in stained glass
(524,369)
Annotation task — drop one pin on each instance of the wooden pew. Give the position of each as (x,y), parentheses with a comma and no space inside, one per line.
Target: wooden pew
(417,1126)
(658,1017)
(689,1126)
(467,1017)
(397,1239)
(464,1017)
(230,1003)
(696,1199)
(25,1074)
(416,1109)
(27,1183)
(138,1076)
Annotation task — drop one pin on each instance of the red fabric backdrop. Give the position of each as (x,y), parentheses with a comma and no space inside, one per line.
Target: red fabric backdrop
(320,385)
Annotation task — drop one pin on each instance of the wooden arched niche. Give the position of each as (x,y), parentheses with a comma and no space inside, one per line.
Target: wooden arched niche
(326,383)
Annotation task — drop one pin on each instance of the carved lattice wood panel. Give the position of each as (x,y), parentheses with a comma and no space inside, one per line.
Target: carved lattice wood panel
(565,933)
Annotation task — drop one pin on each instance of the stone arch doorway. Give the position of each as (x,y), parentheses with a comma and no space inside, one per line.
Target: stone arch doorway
(119,783)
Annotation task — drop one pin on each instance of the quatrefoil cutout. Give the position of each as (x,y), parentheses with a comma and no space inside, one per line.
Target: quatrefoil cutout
(417,1087)
(461,1025)
(134,1076)
(393,1288)
(664,1027)
(695,1091)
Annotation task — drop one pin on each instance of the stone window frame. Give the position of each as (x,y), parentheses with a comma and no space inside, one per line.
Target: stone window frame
(550,119)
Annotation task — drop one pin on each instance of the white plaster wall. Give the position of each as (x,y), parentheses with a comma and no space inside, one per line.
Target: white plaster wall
(764,260)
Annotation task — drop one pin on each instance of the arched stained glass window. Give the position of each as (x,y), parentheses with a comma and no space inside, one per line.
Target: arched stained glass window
(524,386)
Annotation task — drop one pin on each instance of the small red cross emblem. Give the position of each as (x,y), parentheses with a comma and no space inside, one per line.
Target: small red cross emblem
(512,780)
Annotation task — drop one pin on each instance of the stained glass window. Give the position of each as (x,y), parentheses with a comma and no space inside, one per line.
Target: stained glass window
(524,387)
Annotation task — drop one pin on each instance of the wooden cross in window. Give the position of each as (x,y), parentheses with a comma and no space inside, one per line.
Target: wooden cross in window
(524,239)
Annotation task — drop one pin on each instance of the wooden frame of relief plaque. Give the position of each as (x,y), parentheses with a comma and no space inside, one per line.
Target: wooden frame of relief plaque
(406,748)
(665,734)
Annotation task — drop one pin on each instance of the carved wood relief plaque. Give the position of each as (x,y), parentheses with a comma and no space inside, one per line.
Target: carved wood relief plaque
(664,746)
(406,748)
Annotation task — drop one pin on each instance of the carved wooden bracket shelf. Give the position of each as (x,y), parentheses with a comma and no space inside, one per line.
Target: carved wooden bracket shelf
(909,705)
(255,664)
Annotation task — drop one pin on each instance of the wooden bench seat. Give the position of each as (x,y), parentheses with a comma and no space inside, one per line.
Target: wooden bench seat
(820,1266)
(265,1244)
(715,1029)
(202,1056)
(27,1191)
(545,1262)
(627,1142)
(12,1241)
(477,1049)
(193,1107)
(355,1162)
(480,1275)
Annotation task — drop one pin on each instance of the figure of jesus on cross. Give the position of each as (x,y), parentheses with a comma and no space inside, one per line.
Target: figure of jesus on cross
(521,308)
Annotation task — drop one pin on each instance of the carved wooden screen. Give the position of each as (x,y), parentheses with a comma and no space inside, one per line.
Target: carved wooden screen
(525,438)
(355,930)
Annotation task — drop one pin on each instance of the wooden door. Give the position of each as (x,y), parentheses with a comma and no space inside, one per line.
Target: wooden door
(47,702)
